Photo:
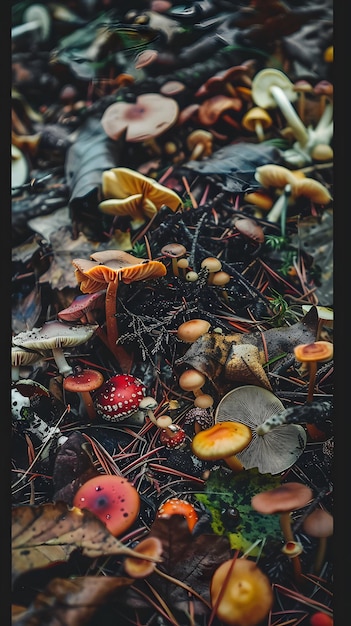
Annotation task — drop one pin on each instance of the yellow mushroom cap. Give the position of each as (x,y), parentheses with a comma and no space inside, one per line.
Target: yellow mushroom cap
(221,440)
(241,593)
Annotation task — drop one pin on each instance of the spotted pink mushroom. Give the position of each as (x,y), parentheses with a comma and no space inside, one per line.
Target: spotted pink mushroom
(112,499)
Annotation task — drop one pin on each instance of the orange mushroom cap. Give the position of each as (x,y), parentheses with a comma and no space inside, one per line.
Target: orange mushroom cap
(241,594)
(321,351)
(112,499)
(191,330)
(176,506)
(221,440)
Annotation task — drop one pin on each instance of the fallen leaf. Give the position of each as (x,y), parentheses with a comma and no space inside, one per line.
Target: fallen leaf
(190,560)
(49,533)
(69,602)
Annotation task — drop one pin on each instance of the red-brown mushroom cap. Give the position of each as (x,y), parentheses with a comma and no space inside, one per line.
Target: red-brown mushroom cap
(151,115)
(241,594)
(177,506)
(112,499)
(86,380)
(119,397)
(286,497)
(211,110)
(82,305)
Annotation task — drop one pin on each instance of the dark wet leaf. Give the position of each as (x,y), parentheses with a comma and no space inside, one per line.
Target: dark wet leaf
(189,560)
(73,467)
(70,602)
(234,165)
(91,154)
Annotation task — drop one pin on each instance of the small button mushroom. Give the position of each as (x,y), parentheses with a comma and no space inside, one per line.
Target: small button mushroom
(200,144)
(113,499)
(257,120)
(192,329)
(302,87)
(192,380)
(211,264)
(319,524)
(173,436)
(174,251)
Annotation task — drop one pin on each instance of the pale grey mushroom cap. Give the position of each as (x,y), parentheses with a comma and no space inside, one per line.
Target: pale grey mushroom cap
(274,451)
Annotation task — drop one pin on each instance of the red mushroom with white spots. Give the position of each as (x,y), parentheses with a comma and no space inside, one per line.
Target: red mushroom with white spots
(119,397)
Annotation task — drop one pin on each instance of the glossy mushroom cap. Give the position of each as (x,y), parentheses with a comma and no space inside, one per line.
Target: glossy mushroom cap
(112,499)
(241,594)
(86,380)
(119,397)
(139,568)
(221,440)
(191,380)
(177,506)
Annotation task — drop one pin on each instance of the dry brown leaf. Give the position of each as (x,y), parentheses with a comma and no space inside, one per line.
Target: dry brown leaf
(49,533)
(69,602)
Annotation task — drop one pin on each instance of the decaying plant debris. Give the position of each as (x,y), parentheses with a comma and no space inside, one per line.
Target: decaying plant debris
(142,198)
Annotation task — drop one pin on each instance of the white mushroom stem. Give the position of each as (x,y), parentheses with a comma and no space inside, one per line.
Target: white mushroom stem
(293,120)
(63,367)
(280,206)
(259,130)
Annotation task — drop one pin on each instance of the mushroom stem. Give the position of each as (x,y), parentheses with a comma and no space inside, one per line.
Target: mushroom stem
(88,404)
(285,525)
(123,358)
(320,555)
(290,115)
(312,379)
(259,130)
(63,367)
(279,208)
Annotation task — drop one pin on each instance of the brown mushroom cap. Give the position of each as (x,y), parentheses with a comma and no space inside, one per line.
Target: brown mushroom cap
(211,110)
(241,594)
(191,380)
(173,250)
(212,264)
(286,497)
(150,116)
(319,523)
(272,175)
(191,330)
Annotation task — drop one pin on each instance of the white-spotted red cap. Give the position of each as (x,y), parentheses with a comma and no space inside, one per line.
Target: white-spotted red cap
(119,397)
